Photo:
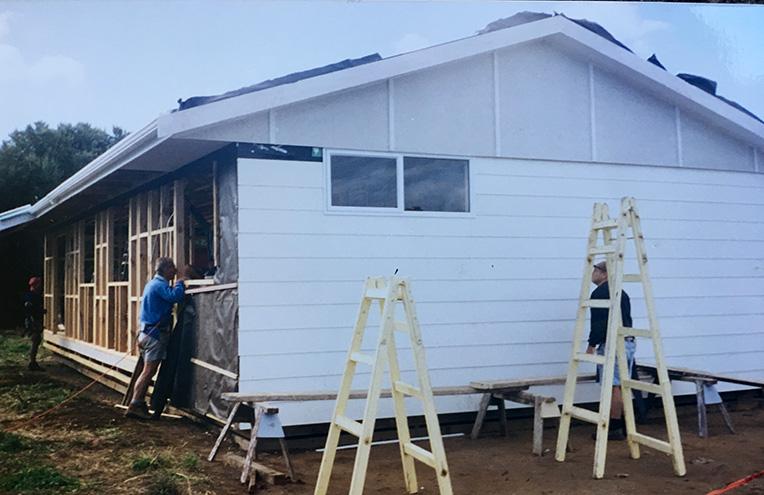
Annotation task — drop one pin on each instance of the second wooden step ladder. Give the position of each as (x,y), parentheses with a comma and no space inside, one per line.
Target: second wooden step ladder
(389,294)
(614,234)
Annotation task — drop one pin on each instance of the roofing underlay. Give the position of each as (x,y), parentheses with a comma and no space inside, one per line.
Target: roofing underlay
(525,17)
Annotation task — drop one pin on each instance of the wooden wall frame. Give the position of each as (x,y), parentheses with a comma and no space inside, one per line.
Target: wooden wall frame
(105,312)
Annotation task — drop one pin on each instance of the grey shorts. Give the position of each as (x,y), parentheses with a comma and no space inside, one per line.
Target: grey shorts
(153,349)
(631,348)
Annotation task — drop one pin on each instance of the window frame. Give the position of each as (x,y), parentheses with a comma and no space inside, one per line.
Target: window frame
(399,210)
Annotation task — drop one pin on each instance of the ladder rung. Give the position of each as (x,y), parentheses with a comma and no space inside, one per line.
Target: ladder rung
(350,426)
(376,293)
(597,303)
(407,389)
(651,442)
(584,415)
(650,388)
(602,250)
(635,332)
(362,358)
(401,326)
(590,358)
(632,277)
(419,454)
(607,224)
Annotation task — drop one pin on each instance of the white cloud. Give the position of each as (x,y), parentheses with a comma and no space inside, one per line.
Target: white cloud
(738,38)
(48,69)
(410,42)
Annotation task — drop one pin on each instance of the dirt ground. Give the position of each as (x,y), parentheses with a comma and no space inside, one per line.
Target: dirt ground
(93,449)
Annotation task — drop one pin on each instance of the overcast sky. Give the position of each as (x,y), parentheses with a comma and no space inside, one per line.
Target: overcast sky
(124,63)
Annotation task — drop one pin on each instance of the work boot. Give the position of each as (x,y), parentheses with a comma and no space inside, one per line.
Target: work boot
(138,411)
(616,429)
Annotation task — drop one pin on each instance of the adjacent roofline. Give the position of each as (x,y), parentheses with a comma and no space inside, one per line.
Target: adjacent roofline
(558,27)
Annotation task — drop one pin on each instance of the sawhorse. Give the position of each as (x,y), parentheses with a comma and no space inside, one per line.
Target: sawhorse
(265,417)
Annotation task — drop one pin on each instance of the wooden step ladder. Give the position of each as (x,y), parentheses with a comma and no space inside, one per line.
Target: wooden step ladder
(388,294)
(615,234)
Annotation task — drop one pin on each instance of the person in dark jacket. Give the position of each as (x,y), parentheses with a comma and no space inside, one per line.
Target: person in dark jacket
(159,297)
(33,313)
(598,337)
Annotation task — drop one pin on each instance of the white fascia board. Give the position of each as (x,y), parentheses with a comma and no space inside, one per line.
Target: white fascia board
(250,103)
(113,159)
(678,90)
(16,216)
(247,104)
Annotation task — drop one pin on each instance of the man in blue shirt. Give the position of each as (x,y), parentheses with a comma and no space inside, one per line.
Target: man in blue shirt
(155,324)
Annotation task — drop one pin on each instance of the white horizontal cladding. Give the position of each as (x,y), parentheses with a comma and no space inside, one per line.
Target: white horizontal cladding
(496,292)
(530,290)
(507,269)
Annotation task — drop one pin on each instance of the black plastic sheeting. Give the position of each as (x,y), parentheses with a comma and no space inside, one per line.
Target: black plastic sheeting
(196,101)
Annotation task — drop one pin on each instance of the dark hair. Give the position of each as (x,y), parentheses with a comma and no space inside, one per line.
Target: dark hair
(162,264)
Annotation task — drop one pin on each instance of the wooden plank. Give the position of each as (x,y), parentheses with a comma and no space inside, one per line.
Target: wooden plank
(527,382)
(263,472)
(212,288)
(214,368)
(690,374)
(538,428)
(329,395)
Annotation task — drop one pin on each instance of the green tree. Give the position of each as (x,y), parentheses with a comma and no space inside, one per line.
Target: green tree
(35,160)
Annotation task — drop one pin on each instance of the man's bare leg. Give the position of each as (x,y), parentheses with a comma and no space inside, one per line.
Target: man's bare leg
(142,384)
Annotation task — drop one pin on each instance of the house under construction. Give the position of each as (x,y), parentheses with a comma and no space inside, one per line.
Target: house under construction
(469,167)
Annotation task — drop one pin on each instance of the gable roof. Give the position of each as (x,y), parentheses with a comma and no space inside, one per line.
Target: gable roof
(581,35)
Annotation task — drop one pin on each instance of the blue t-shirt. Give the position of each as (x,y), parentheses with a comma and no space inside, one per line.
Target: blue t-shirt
(158,299)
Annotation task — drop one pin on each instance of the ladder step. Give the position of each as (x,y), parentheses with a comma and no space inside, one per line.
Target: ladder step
(653,443)
(401,326)
(407,389)
(590,358)
(346,424)
(602,250)
(635,332)
(597,303)
(607,224)
(651,388)
(632,277)
(362,358)
(376,293)
(584,415)
(419,454)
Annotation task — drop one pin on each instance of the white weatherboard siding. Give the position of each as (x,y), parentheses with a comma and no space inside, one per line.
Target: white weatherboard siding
(496,290)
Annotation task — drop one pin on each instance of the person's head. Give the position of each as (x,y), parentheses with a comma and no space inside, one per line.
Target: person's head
(165,267)
(599,274)
(35,284)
